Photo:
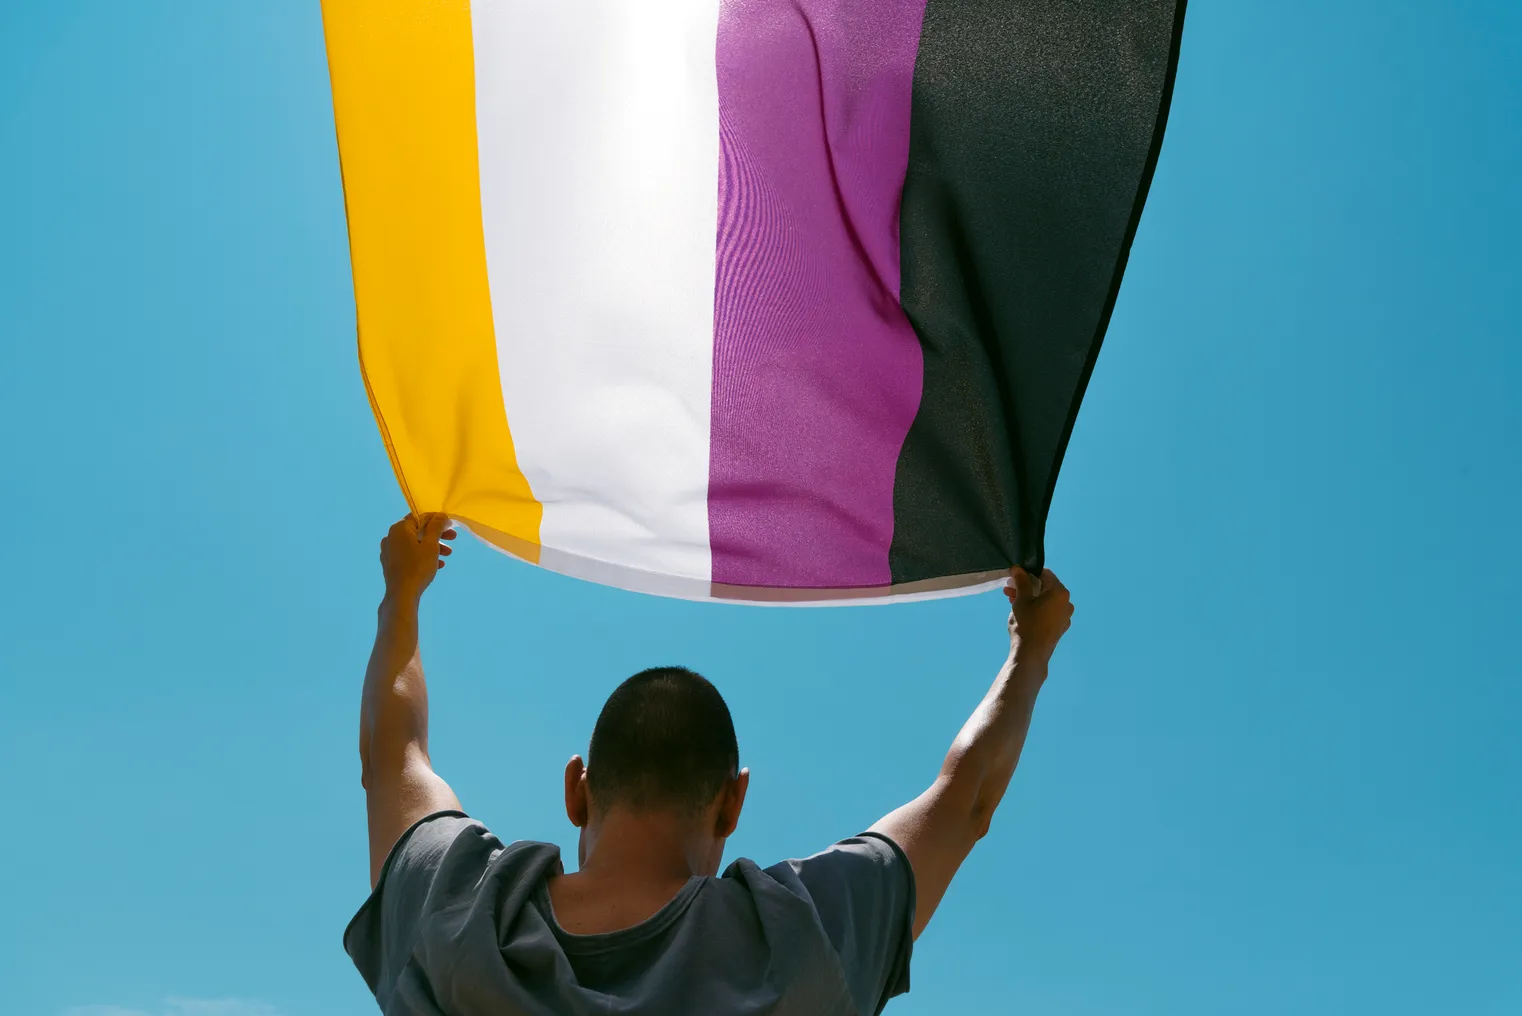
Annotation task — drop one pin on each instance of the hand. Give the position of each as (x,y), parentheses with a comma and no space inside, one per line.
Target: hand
(1037,621)
(411,554)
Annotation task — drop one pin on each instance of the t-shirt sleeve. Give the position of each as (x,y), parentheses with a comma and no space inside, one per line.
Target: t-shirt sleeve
(434,867)
(863,891)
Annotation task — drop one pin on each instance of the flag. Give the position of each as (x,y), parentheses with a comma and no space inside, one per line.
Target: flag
(766,300)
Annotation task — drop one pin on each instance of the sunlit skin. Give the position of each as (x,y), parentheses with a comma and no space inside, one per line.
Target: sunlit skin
(633,861)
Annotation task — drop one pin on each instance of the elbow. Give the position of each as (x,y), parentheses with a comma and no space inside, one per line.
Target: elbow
(968,804)
(382,758)
(366,738)
(981,817)
(965,775)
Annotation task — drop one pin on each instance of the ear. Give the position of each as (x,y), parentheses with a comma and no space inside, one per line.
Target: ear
(731,800)
(577,802)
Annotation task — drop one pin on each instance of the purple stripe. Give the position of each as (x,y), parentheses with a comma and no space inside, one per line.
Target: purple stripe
(817,371)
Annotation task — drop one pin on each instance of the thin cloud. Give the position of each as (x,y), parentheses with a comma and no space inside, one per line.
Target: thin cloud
(176,1006)
(219,1007)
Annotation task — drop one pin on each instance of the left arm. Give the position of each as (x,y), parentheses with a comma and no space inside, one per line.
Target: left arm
(400,784)
(938,829)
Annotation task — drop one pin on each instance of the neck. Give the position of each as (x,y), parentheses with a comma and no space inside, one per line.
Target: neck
(643,846)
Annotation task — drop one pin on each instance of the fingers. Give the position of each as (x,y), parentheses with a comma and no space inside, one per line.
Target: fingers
(432,525)
(435,528)
(429,525)
(1020,586)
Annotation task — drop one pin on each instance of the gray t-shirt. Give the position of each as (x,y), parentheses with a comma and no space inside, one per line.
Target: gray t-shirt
(461,925)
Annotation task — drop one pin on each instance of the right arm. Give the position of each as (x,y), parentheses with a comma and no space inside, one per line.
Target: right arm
(937,830)
(400,784)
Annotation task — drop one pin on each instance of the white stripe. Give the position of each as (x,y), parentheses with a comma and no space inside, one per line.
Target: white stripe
(599,141)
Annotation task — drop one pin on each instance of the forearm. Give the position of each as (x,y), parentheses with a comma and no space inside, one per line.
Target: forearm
(984,754)
(394,705)
(938,828)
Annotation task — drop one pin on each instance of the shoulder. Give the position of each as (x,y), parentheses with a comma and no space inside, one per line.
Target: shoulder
(440,862)
(870,859)
(865,879)
(443,869)
(861,893)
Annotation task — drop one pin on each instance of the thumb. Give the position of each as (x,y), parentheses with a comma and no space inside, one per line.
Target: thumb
(432,526)
(1021,586)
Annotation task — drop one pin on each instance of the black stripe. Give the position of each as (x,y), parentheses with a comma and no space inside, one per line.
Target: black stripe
(1034,132)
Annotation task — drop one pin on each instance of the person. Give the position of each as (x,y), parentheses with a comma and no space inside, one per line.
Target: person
(459,923)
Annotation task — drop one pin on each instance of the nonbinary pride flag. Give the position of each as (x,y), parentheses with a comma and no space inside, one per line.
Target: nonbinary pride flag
(769,300)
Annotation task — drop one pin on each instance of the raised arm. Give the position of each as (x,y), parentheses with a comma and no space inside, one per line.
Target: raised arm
(937,830)
(400,784)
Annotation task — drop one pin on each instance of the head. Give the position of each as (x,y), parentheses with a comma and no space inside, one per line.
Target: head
(663,766)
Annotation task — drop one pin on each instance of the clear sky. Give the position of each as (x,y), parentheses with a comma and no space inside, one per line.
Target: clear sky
(1276,769)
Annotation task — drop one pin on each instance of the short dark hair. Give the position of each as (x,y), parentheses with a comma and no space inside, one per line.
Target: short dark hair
(664,739)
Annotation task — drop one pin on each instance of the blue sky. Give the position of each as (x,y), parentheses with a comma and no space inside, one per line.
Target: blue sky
(1277,766)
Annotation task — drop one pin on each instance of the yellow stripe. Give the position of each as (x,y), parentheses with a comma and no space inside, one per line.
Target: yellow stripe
(404,100)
